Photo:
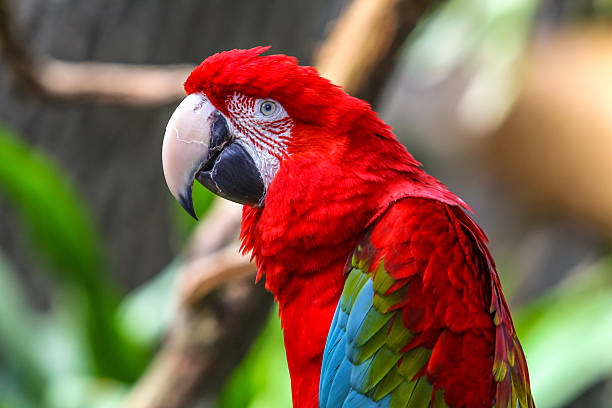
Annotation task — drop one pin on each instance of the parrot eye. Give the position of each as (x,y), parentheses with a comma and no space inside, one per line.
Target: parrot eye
(267,108)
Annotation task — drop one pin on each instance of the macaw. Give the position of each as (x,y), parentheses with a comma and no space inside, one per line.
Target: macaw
(387,293)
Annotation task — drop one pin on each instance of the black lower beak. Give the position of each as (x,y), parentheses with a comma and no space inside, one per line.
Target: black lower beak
(234,176)
(230,171)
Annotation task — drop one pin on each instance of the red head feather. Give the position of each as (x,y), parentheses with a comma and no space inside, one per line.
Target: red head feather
(305,95)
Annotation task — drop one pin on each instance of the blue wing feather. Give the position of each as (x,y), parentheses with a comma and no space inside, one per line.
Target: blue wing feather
(340,378)
(335,368)
(362,363)
(355,399)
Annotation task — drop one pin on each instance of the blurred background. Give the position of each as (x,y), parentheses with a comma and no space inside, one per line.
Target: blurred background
(111,296)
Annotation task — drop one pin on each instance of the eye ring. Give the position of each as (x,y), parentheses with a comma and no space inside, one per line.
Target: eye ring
(268,107)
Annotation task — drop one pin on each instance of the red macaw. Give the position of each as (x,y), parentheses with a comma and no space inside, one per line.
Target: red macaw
(388,294)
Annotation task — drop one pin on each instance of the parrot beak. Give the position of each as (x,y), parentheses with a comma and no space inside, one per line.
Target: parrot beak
(198,145)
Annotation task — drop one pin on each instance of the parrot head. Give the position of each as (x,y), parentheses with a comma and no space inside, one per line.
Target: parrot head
(244,115)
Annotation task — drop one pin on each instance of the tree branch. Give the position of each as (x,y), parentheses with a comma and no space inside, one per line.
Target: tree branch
(361,51)
(15,52)
(359,55)
(206,341)
(139,85)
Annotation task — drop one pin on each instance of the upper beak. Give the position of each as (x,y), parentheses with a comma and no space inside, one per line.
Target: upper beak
(198,144)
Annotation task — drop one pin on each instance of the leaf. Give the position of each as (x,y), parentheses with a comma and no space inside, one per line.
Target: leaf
(80,392)
(566,336)
(13,397)
(66,242)
(145,314)
(17,346)
(53,213)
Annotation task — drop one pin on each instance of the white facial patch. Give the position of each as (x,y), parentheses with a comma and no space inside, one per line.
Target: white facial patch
(263,128)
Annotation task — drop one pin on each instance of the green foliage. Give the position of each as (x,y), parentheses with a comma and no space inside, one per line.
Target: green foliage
(146,313)
(84,392)
(262,379)
(566,335)
(16,322)
(53,214)
(480,33)
(481,39)
(603,6)
(80,332)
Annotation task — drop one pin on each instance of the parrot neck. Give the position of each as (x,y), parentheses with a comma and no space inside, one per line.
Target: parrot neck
(315,213)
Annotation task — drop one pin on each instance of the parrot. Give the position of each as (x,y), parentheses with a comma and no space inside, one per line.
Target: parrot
(388,295)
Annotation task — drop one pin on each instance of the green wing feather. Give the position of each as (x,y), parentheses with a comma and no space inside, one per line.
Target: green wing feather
(375,347)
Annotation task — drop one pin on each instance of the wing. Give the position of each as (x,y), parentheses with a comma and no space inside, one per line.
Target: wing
(421,321)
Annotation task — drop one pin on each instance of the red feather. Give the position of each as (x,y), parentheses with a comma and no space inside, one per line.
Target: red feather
(447,303)
(344,170)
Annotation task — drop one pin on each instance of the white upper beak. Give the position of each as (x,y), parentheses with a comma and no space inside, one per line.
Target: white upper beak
(185,146)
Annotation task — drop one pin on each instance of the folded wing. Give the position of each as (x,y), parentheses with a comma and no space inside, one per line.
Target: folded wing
(421,321)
